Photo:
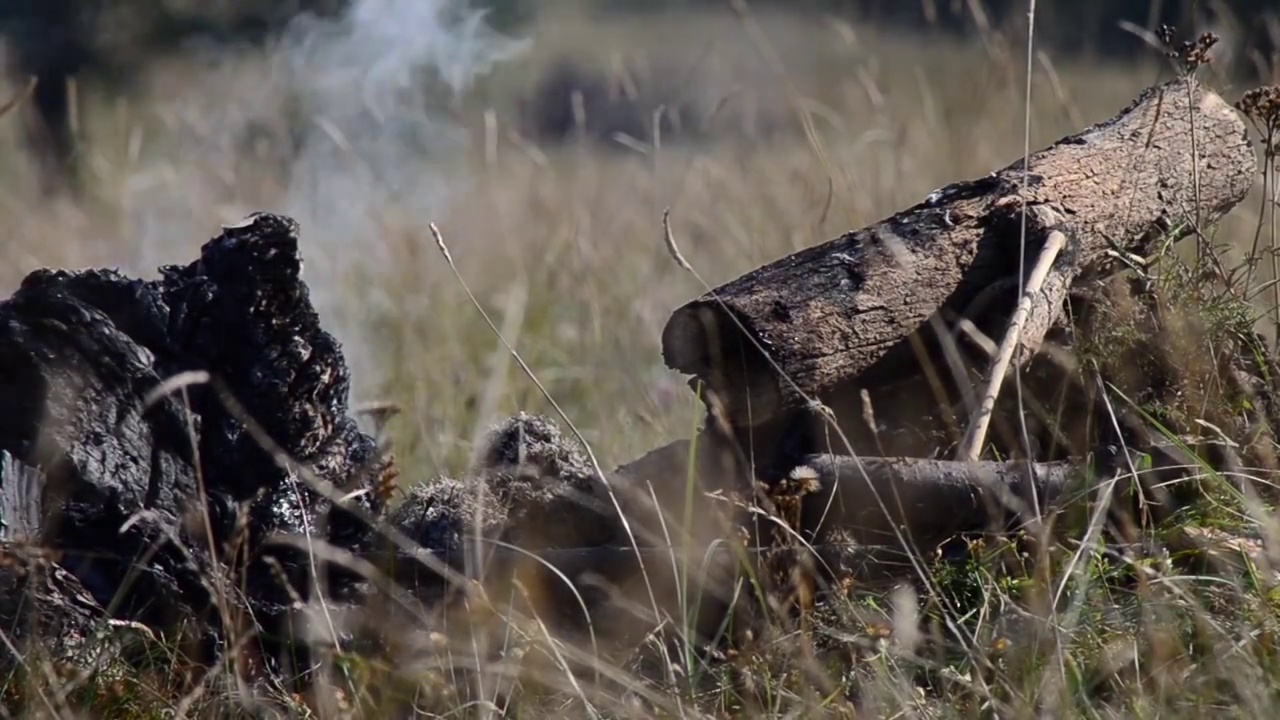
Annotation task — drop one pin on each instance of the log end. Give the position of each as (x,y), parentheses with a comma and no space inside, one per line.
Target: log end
(684,342)
(718,348)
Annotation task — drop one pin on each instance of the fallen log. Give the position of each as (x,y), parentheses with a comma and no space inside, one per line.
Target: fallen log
(892,501)
(874,500)
(812,324)
(881,504)
(145,491)
(582,569)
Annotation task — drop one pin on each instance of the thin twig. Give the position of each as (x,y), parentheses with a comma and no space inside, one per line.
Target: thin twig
(971,447)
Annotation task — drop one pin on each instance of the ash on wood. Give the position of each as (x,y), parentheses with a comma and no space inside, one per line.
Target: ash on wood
(1174,161)
(146,504)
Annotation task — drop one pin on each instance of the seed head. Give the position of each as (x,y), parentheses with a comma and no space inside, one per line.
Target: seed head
(1191,54)
(1262,107)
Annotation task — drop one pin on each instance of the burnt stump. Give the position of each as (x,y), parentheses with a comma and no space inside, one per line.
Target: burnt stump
(158,501)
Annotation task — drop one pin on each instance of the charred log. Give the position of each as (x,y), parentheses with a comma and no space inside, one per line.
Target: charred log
(155,503)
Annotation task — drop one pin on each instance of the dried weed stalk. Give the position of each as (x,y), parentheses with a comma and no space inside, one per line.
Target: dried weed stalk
(1262,108)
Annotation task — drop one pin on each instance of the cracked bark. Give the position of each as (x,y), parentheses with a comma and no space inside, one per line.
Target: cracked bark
(850,310)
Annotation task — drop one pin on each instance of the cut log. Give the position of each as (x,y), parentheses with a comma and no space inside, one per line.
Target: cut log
(1175,160)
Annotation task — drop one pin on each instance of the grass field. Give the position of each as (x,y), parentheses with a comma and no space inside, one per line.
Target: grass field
(563,247)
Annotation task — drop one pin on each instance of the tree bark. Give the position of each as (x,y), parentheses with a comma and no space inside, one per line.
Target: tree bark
(926,501)
(829,313)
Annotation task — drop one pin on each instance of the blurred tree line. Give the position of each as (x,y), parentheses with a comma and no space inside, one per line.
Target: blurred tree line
(1087,27)
(1078,27)
(107,42)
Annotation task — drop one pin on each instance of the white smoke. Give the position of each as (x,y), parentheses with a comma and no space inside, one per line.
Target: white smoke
(375,87)
(377,119)
(367,101)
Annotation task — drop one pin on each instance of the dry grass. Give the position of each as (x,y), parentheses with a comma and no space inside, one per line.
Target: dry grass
(563,246)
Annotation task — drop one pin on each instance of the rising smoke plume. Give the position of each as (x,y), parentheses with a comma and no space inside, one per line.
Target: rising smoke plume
(367,104)
(377,85)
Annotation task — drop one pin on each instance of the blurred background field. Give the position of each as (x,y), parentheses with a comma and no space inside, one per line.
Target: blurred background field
(781,125)
(546,139)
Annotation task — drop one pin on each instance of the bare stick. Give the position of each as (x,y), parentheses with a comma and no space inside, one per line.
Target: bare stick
(971,447)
